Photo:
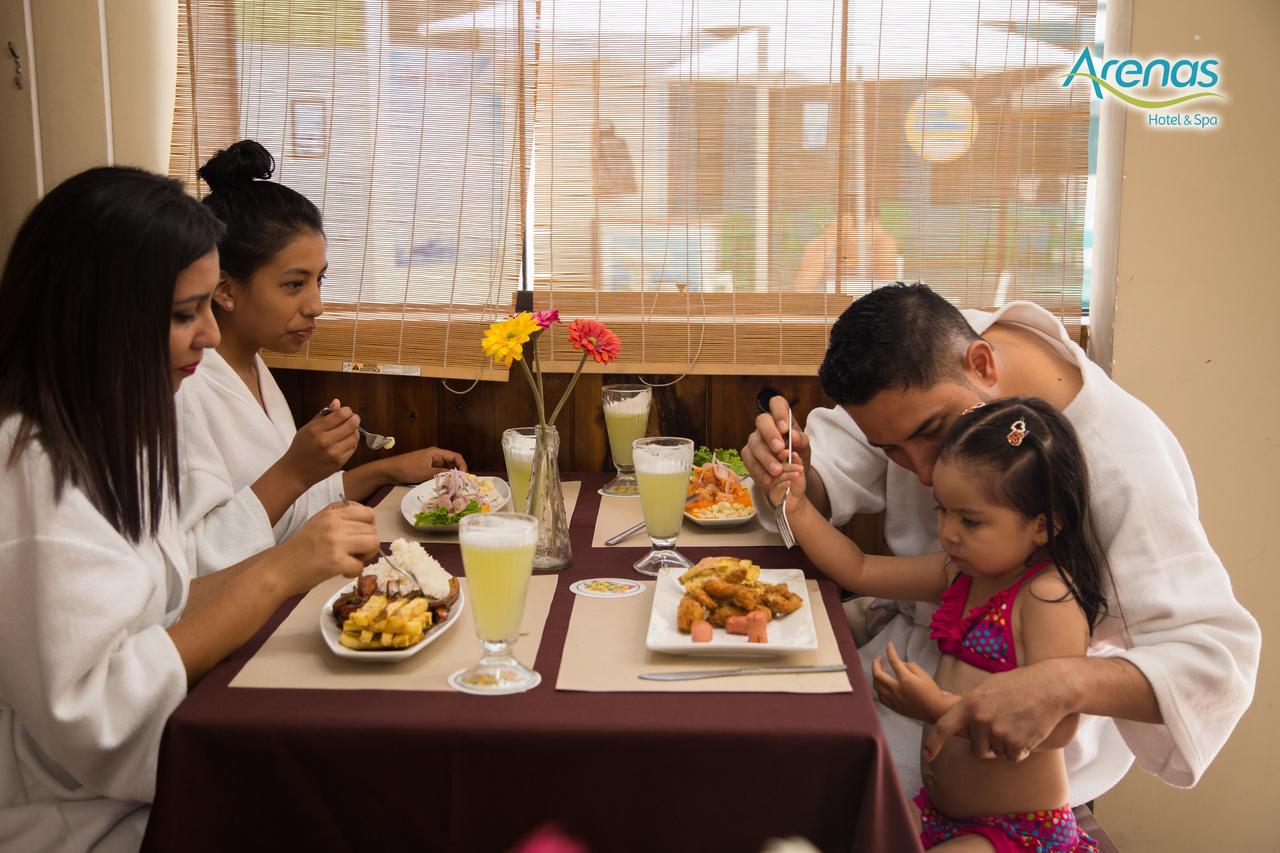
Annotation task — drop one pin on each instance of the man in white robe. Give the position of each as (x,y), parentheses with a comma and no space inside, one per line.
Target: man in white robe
(1169,681)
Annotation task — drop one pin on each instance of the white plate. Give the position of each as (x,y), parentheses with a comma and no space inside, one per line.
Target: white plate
(331,631)
(416,498)
(792,633)
(725,522)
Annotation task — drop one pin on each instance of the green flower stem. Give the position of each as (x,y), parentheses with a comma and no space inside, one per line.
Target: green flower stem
(569,390)
(542,415)
(537,366)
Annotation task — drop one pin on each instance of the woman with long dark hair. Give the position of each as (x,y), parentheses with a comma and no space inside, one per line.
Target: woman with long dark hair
(104,312)
(251,478)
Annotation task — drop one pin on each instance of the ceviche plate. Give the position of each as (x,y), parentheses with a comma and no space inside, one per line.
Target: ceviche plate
(417,498)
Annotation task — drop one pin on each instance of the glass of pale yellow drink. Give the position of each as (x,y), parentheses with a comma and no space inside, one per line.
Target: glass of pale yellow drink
(662,470)
(497,555)
(517,449)
(626,418)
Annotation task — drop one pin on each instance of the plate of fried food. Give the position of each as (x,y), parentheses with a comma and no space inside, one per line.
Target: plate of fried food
(396,608)
(730,606)
(718,496)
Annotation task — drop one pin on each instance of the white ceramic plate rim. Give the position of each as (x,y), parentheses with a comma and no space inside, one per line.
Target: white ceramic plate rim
(794,633)
(330,630)
(411,503)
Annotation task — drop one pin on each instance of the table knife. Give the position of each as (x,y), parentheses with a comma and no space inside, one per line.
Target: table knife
(689,675)
(625,535)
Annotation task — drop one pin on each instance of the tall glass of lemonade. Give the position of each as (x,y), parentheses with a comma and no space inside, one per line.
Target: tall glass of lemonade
(626,418)
(517,448)
(497,555)
(662,471)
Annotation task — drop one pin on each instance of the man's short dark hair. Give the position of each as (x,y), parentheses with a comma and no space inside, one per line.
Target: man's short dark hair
(896,337)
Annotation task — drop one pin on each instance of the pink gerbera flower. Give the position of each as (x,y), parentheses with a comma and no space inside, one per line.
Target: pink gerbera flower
(546,319)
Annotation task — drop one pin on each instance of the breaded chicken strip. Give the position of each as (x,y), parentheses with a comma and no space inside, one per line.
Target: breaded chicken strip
(781,600)
(688,612)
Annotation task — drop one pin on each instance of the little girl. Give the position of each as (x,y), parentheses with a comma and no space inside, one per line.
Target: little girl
(1019,580)
(249,477)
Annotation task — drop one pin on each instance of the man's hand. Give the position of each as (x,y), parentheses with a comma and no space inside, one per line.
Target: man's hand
(909,690)
(766,449)
(1009,714)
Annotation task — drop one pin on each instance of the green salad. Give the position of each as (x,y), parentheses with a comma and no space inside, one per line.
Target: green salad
(441,517)
(729,458)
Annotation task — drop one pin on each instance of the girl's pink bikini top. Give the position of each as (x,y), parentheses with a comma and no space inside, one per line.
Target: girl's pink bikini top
(984,638)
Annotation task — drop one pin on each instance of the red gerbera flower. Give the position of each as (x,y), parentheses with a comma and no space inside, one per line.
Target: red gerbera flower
(595,340)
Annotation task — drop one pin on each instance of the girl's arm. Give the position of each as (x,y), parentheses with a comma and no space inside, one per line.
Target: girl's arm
(415,467)
(1052,626)
(906,688)
(922,578)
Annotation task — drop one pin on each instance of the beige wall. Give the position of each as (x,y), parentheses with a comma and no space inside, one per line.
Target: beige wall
(1197,297)
(103,93)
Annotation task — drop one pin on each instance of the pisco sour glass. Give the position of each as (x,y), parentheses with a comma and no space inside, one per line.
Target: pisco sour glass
(662,470)
(497,555)
(518,445)
(626,418)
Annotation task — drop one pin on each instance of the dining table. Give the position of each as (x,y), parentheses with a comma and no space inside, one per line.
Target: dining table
(616,769)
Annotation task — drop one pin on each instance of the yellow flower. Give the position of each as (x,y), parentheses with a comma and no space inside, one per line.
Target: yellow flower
(504,341)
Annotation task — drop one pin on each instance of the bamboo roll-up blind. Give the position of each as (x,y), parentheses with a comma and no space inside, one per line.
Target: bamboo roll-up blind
(694,157)
(716,179)
(413,150)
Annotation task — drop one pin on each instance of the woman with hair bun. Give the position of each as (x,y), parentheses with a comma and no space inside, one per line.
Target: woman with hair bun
(250,477)
(104,312)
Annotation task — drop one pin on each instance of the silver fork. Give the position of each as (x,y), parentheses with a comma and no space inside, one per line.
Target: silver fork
(780,513)
(371,439)
(377,442)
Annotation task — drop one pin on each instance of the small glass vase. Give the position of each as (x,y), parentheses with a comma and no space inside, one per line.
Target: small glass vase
(546,503)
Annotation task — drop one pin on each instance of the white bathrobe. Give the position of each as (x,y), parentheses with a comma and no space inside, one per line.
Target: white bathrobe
(226,442)
(88,674)
(1186,632)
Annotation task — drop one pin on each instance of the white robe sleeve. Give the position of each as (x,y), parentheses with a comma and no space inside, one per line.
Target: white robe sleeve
(223,525)
(314,499)
(1180,622)
(92,690)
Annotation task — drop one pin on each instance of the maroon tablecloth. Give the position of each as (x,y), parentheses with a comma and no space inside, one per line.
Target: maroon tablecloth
(321,770)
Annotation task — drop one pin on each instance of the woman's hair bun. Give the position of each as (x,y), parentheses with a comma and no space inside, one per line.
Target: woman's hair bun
(240,163)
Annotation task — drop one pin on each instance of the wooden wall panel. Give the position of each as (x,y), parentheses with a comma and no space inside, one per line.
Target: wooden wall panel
(718,411)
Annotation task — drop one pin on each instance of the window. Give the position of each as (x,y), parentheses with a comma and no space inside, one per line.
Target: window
(409,148)
(715,179)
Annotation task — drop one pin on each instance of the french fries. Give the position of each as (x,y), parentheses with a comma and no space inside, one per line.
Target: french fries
(383,624)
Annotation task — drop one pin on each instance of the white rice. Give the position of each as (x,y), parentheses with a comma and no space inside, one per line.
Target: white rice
(411,557)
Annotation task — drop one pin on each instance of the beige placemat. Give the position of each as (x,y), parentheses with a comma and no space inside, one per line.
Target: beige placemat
(604,652)
(391,524)
(617,514)
(296,657)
